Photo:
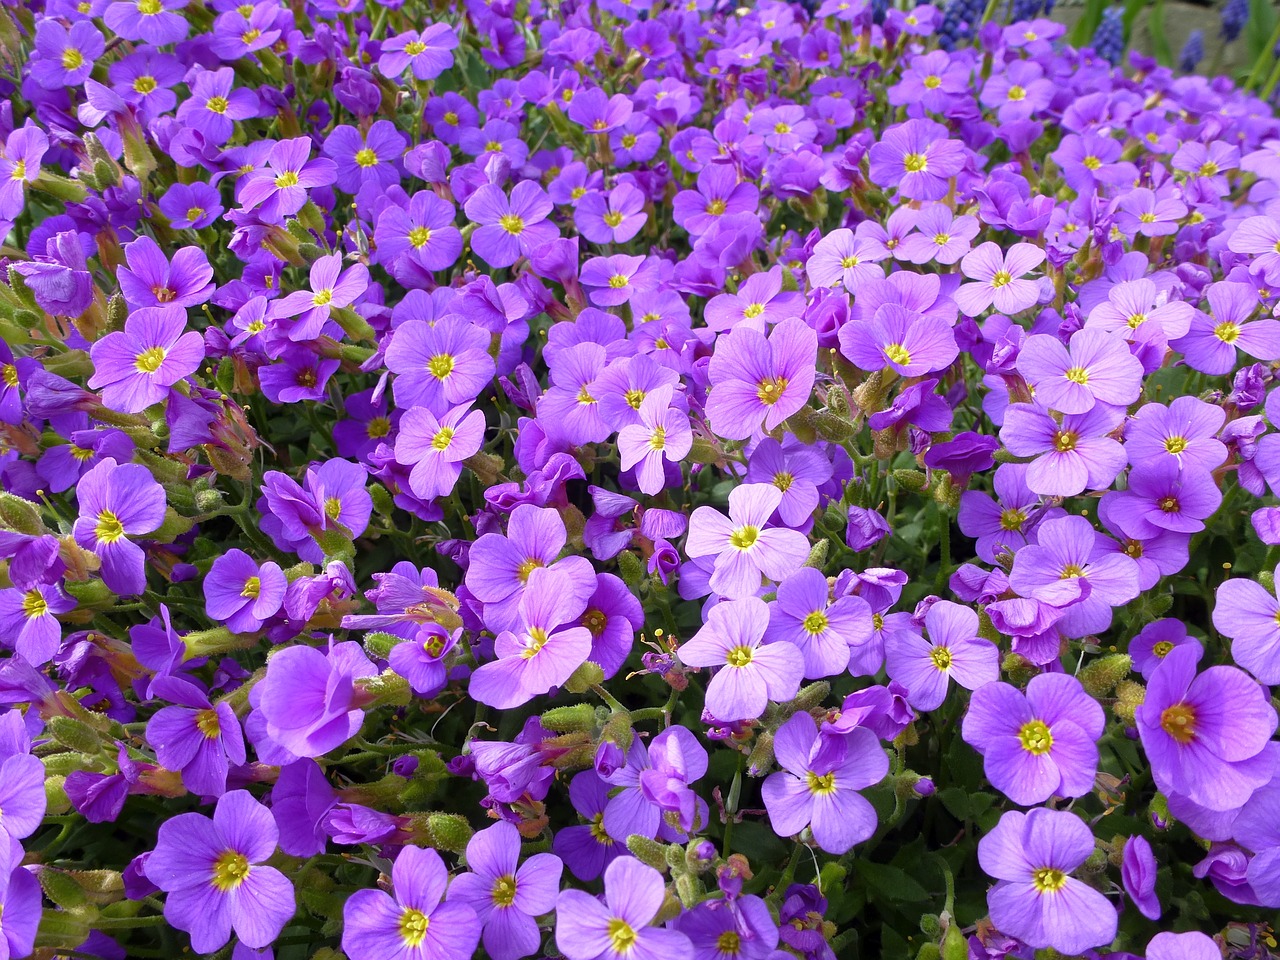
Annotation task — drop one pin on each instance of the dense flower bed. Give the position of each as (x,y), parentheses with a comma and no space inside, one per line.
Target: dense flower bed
(632,480)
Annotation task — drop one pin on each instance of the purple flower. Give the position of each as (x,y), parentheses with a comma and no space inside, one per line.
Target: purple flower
(195,736)
(615,217)
(439,365)
(20,165)
(757,381)
(1210,344)
(413,924)
(917,158)
(214,107)
(435,448)
(1155,640)
(843,258)
(1163,496)
(308,699)
(241,594)
(1073,455)
(213,873)
(953,649)
(760,296)
(23,798)
(152,21)
(510,227)
(507,896)
(741,928)
(1138,873)
(543,647)
(64,57)
(118,501)
(1183,946)
(619,928)
(1000,277)
(750,673)
(28,620)
(331,288)
(279,189)
(823,631)
(612,281)
(899,339)
(21,900)
(135,367)
(1094,368)
(720,193)
(1038,745)
(1249,615)
(1185,431)
(1204,735)
(1031,855)
(743,548)
(662,436)
(797,471)
(1069,567)
(428,53)
(150,280)
(819,782)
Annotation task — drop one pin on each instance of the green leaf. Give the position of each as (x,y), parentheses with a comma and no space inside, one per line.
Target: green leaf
(1159,39)
(956,801)
(1087,25)
(1258,29)
(890,883)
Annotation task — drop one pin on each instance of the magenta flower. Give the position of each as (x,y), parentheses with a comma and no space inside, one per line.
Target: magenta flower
(1001,278)
(1072,456)
(1205,735)
(507,896)
(953,649)
(1039,744)
(331,288)
(118,501)
(757,380)
(435,448)
(213,873)
(900,339)
(917,158)
(662,436)
(1249,615)
(1095,367)
(1069,566)
(1031,855)
(543,648)
(619,928)
(742,546)
(135,367)
(818,784)
(413,924)
(510,227)
(750,673)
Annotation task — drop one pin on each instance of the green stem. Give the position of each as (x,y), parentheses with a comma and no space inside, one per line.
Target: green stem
(1264,56)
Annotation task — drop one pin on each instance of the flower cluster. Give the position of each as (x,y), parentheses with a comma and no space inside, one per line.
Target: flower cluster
(622,480)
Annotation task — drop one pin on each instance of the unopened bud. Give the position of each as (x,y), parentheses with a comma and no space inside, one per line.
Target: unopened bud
(75,735)
(449,831)
(585,677)
(649,851)
(760,761)
(1100,677)
(913,480)
(578,718)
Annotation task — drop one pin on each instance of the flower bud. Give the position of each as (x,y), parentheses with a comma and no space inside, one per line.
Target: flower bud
(449,831)
(585,677)
(578,718)
(75,735)
(1100,677)
(648,851)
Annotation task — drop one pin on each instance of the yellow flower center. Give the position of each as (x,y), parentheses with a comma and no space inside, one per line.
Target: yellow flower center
(1078,375)
(621,935)
(229,871)
(504,891)
(659,438)
(617,281)
(941,658)
(333,508)
(595,621)
(598,831)
(1175,445)
(252,588)
(815,623)
(249,36)
(1162,649)
(526,568)
(898,354)
(419,237)
(537,640)
(1137,320)
(716,208)
(208,725)
(413,927)
(322,298)
(195,213)
(1092,163)
(634,398)
(149,360)
(72,59)
(367,158)
(744,537)
(849,262)
(1227,332)
(824,784)
(1017,93)
(729,942)
(915,162)
(941,239)
(512,224)
(414,47)
(770,390)
(287,179)
(739,657)
(613,218)
(9,374)
(1036,738)
(1064,441)
(440,366)
(1048,880)
(1071,571)
(34,604)
(108,529)
(451,118)
(783,481)
(442,439)
(149,8)
(1208,168)
(1001,278)
(1147,217)
(1012,520)
(932,82)
(378,427)
(584,395)
(217,105)
(1170,505)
